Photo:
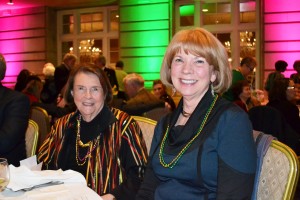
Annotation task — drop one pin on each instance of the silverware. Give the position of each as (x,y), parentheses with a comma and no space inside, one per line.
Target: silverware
(43,185)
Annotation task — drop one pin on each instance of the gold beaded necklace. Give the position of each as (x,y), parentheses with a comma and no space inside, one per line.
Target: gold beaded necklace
(79,143)
(184,149)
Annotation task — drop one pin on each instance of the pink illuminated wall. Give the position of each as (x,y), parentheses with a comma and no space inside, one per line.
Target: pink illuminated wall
(24,41)
(281,34)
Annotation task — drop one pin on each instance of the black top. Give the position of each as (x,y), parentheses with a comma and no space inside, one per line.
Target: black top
(14,116)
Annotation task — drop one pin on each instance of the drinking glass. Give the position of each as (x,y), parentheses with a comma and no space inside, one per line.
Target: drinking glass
(4,173)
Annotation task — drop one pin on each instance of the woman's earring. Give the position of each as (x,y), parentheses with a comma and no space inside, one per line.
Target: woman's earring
(212,89)
(173,91)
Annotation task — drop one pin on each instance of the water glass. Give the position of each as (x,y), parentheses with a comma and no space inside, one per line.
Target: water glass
(4,174)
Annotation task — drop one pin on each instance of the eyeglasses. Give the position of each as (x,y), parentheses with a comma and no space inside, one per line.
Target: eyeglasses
(250,68)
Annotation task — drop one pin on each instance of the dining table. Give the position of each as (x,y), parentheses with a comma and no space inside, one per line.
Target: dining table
(70,191)
(32,183)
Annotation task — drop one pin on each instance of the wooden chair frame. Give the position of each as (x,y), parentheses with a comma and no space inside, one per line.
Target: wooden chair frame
(35,139)
(294,169)
(148,138)
(284,185)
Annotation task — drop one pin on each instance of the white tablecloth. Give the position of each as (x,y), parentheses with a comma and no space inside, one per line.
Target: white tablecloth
(71,191)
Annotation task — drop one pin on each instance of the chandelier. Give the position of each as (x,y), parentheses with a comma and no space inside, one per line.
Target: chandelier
(247,44)
(86,47)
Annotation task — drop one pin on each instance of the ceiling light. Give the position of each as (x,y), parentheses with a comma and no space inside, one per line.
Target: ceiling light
(10,2)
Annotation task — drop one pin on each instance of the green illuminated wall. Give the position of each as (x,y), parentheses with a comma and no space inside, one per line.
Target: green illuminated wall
(145,30)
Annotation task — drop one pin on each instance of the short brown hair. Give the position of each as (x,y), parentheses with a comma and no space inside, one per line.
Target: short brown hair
(2,67)
(200,42)
(89,68)
(296,64)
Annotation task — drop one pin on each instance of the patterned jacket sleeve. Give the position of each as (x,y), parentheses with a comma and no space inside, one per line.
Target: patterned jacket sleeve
(133,157)
(48,152)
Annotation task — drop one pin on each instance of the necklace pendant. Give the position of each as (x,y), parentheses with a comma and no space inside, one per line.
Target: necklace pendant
(80,143)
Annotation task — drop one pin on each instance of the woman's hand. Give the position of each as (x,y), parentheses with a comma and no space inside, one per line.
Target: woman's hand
(108,197)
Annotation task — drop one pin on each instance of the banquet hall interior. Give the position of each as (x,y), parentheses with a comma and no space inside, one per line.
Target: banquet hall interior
(34,32)
(137,32)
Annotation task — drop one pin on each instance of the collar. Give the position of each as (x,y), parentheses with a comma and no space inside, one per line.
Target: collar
(99,124)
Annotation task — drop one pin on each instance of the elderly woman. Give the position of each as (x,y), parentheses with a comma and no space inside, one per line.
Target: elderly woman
(205,148)
(49,93)
(104,144)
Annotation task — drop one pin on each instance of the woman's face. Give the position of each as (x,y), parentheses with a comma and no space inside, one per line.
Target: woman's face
(88,95)
(191,75)
(246,93)
(158,90)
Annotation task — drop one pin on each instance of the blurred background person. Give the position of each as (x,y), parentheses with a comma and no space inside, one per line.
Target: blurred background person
(140,100)
(33,88)
(104,144)
(49,93)
(14,116)
(62,71)
(22,80)
(296,76)
(120,74)
(100,61)
(288,108)
(243,95)
(160,91)
(245,69)
(280,67)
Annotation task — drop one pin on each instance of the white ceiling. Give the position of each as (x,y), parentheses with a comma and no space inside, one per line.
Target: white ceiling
(59,4)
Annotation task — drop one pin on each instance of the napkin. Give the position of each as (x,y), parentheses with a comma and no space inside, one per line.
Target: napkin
(31,163)
(22,177)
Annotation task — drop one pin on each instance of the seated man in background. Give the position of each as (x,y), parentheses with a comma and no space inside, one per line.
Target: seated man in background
(140,100)
(14,116)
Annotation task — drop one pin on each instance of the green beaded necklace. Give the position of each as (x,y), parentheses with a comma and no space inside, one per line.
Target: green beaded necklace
(184,149)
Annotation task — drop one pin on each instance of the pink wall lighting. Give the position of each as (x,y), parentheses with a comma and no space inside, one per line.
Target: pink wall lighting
(281,33)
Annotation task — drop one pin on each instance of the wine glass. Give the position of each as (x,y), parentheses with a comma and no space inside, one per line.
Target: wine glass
(4,173)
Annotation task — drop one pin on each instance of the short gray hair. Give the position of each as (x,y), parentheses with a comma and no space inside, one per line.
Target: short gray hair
(134,79)
(48,69)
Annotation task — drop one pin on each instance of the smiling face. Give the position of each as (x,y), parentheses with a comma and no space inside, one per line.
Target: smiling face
(246,93)
(158,90)
(191,75)
(88,95)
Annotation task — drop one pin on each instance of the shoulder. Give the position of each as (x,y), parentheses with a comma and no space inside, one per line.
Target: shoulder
(109,70)
(237,76)
(119,113)
(231,114)
(68,119)
(122,117)
(12,95)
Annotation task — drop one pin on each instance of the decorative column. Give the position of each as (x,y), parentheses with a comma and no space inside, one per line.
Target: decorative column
(145,30)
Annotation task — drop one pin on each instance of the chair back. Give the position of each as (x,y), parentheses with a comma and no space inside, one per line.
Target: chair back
(41,117)
(31,138)
(156,113)
(147,126)
(279,173)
